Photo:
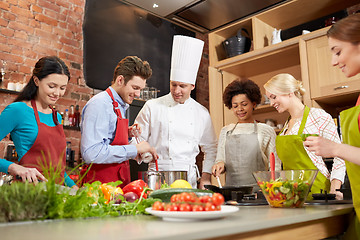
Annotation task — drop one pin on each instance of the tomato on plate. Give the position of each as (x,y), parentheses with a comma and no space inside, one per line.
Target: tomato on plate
(217,199)
(210,207)
(198,208)
(185,207)
(158,206)
(205,199)
(172,207)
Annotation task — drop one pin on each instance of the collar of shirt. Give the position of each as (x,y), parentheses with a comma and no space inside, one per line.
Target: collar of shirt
(119,99)
(171,102)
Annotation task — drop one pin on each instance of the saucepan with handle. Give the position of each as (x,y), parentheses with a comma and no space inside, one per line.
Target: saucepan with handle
(231,192)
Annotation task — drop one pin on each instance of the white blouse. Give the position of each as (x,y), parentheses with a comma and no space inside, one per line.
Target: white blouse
(321,123)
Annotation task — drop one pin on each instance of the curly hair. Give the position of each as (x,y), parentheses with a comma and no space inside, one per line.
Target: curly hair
(241,86)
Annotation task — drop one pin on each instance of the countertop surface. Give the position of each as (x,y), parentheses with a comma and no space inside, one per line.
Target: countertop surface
(247,219)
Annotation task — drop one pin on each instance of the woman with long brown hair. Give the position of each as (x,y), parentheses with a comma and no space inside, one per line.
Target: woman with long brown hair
(34,126)
(344,44)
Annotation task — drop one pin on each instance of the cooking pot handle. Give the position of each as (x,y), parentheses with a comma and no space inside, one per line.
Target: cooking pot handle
(239,32)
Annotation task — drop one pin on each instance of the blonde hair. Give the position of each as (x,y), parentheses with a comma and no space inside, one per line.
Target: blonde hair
(285,83)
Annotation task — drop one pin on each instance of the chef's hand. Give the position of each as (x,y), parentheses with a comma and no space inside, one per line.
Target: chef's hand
(26,174)
(218,169)
(321,146)
(134,130)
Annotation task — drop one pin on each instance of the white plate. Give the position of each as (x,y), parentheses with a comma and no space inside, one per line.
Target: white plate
(193,216)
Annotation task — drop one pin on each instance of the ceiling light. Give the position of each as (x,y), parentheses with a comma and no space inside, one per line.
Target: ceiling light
(155,5)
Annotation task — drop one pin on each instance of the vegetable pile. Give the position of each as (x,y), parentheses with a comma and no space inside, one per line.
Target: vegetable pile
(47,200)
(287,193)
(189,201)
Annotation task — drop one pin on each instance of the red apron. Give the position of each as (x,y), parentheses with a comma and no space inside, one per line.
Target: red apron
(114,171)
(48,150)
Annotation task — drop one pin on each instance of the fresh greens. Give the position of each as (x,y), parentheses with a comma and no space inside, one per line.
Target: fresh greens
(47,200)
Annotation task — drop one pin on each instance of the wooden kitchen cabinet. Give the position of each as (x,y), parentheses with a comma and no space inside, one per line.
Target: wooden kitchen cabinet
(327,82)
(264,60)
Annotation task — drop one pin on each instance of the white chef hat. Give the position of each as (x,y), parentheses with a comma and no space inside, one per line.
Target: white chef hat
(185,59)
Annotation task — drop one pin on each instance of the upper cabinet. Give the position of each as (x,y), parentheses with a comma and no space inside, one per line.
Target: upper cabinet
(264,60)
(327,82)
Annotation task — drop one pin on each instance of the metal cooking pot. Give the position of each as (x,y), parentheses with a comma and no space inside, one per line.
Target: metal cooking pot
(155,178)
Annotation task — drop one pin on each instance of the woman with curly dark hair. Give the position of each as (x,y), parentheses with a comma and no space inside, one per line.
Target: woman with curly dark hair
(245,146)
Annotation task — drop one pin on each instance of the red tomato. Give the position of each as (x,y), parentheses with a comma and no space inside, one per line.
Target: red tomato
(158,206)
(185,207)
(174,198)
(197,208)
(205,199)
(210,207)
(217,199)
(172,207)
(185,197)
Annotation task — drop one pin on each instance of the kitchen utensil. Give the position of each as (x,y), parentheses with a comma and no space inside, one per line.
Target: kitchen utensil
(230,192)
(193,216)
(145,157)
(238,44)
(272,165)
(155,178)
(323,196)
(218,180)
(289,190)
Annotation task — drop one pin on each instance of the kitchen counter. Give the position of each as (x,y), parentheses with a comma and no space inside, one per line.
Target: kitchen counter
(250,222)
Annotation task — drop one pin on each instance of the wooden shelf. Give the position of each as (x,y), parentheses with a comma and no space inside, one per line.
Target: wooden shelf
(266,60)
(264,108)
(2,90)
(72,128)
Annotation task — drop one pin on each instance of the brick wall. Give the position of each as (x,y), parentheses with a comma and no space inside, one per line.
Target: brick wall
(202,82)
(31,29)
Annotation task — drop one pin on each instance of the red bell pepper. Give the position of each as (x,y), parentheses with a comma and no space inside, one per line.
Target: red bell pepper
(136,187)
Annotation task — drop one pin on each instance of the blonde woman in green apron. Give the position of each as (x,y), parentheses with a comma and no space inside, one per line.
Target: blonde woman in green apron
(285,94)
(245,146)
(344,43)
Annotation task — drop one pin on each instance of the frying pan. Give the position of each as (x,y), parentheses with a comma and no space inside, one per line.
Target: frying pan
(231,192)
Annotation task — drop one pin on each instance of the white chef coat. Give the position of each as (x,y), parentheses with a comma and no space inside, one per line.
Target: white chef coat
(176,131)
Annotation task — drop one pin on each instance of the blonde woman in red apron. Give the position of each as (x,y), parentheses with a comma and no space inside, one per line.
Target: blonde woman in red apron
(285,94)
(105,131)
(34,125)
(244,147)
(344,43)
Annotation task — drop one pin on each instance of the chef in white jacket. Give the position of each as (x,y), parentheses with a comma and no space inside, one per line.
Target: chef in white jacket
(175,124)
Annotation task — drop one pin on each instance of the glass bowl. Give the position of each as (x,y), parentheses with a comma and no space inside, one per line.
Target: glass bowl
(287,188)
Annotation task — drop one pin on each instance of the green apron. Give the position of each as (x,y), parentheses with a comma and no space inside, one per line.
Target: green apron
(291,151)
(351,135)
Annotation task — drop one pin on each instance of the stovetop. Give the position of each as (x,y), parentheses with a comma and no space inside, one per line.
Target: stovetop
(328,202)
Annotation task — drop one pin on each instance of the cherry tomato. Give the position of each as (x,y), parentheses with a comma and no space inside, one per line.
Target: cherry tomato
(217,199)
(185,197)
(197,208)
(172,207)
(158,206)
(185,207)
(205,199)
(174,198)
(210,207)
